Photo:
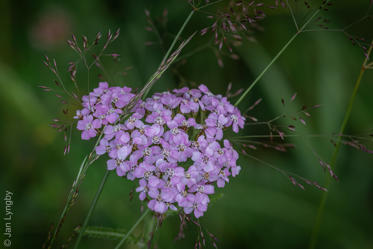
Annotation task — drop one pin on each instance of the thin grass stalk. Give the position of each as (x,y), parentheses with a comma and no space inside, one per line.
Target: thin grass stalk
(132,229)
(183,26)
(67,205)
(104,233)
(91,208)
(165,57)
(333,161)
(87,161)
(259,77)
(209,4)
(177,37)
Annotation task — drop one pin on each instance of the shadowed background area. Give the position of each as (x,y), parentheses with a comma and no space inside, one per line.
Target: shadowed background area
(260,208)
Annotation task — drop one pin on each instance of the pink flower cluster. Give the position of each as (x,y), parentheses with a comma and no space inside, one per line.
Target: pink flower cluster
(172,143)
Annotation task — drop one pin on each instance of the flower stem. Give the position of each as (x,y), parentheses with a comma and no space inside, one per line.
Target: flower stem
(132,229)
(333,161)
(300,30)
(91,208)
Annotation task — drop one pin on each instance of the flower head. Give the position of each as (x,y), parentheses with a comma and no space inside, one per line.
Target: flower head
(171,143)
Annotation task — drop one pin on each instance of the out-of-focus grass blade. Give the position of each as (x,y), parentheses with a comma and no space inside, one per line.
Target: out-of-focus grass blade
(18,97)
(257,201)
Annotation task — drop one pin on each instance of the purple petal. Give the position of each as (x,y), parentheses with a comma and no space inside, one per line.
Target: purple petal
(160,207)
(111,164)
(124,152)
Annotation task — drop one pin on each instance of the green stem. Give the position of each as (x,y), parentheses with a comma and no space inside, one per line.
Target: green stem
(165,57)
(301,29)
(132,229)
(88,160)
(333,161)
(104,233)
(91,208)
(191,53)
(67,206)
(266,69)
(209,4)
(177,37)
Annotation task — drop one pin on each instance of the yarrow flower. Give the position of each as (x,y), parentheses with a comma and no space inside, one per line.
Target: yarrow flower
(172,143)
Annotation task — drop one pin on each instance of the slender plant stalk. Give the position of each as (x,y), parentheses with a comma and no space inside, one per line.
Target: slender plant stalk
(259,77)
(91,208)
(209,4)
(88,160)
(191,53)
(266,69)
(333,161)
(292,14)
(165,57)
(104,233)
(177,37)
(67,205)
(132,229)
(183,26)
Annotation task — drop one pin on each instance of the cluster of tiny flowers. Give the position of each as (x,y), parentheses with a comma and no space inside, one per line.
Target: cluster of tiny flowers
(172,143)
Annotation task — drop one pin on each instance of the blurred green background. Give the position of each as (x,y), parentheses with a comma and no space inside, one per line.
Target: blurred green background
(260,208)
